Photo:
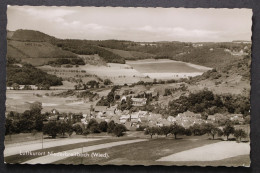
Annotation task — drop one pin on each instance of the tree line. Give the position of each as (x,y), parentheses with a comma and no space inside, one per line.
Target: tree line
(70,61)
(196,130)
(53,128)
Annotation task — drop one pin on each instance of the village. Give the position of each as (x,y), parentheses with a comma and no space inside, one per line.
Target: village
(133,120)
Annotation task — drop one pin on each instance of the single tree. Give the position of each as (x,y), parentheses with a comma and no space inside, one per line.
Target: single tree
(63,128)
(165,130)
(228,129)
(176,129)
(239,134)
(150,131)
(196,129)
(210,129)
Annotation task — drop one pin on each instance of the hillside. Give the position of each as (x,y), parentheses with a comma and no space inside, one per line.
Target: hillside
(31,36)
(35,53)
(204,56)
(38,48)
(34,47)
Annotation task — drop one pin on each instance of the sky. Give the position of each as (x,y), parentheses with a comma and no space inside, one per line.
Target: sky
(134,24)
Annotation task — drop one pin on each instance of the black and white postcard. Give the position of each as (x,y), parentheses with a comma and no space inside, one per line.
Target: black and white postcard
(128,86)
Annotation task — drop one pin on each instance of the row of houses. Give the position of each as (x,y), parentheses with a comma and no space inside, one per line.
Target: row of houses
(217,118)
(145,118)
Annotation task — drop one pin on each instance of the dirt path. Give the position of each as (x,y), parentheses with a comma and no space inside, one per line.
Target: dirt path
(211,152)
(50,158)
(27,146)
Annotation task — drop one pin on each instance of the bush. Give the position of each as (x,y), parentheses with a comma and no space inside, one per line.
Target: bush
(119,130)
(140,128)
(110,127)
(188,132)
(93,126)
(78,129)
(86,132)
(103,126)
(107,82)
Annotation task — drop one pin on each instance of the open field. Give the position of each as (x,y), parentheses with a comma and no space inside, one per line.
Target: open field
(117,73)
(216,151)
(17,158)
(135,151)
(23,147)
(147,152)
(20,100)
(66,154)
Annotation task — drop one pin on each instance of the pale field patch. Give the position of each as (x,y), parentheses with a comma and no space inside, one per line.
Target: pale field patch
(211,152)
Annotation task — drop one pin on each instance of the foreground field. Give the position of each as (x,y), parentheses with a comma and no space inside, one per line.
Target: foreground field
(132,151)
(148,152)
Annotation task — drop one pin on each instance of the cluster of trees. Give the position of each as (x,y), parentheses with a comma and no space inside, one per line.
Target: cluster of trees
(126,104)
(81,94)
(206,101)
(54,128)
(91,84)
(29,75)
(32,120)
(71,61)
(173,129)
(25,122)
(111,127)
(110,98)
(154,82)
(196,130)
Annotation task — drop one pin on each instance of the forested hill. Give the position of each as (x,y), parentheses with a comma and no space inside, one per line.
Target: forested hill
(26,74)
(39,48)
